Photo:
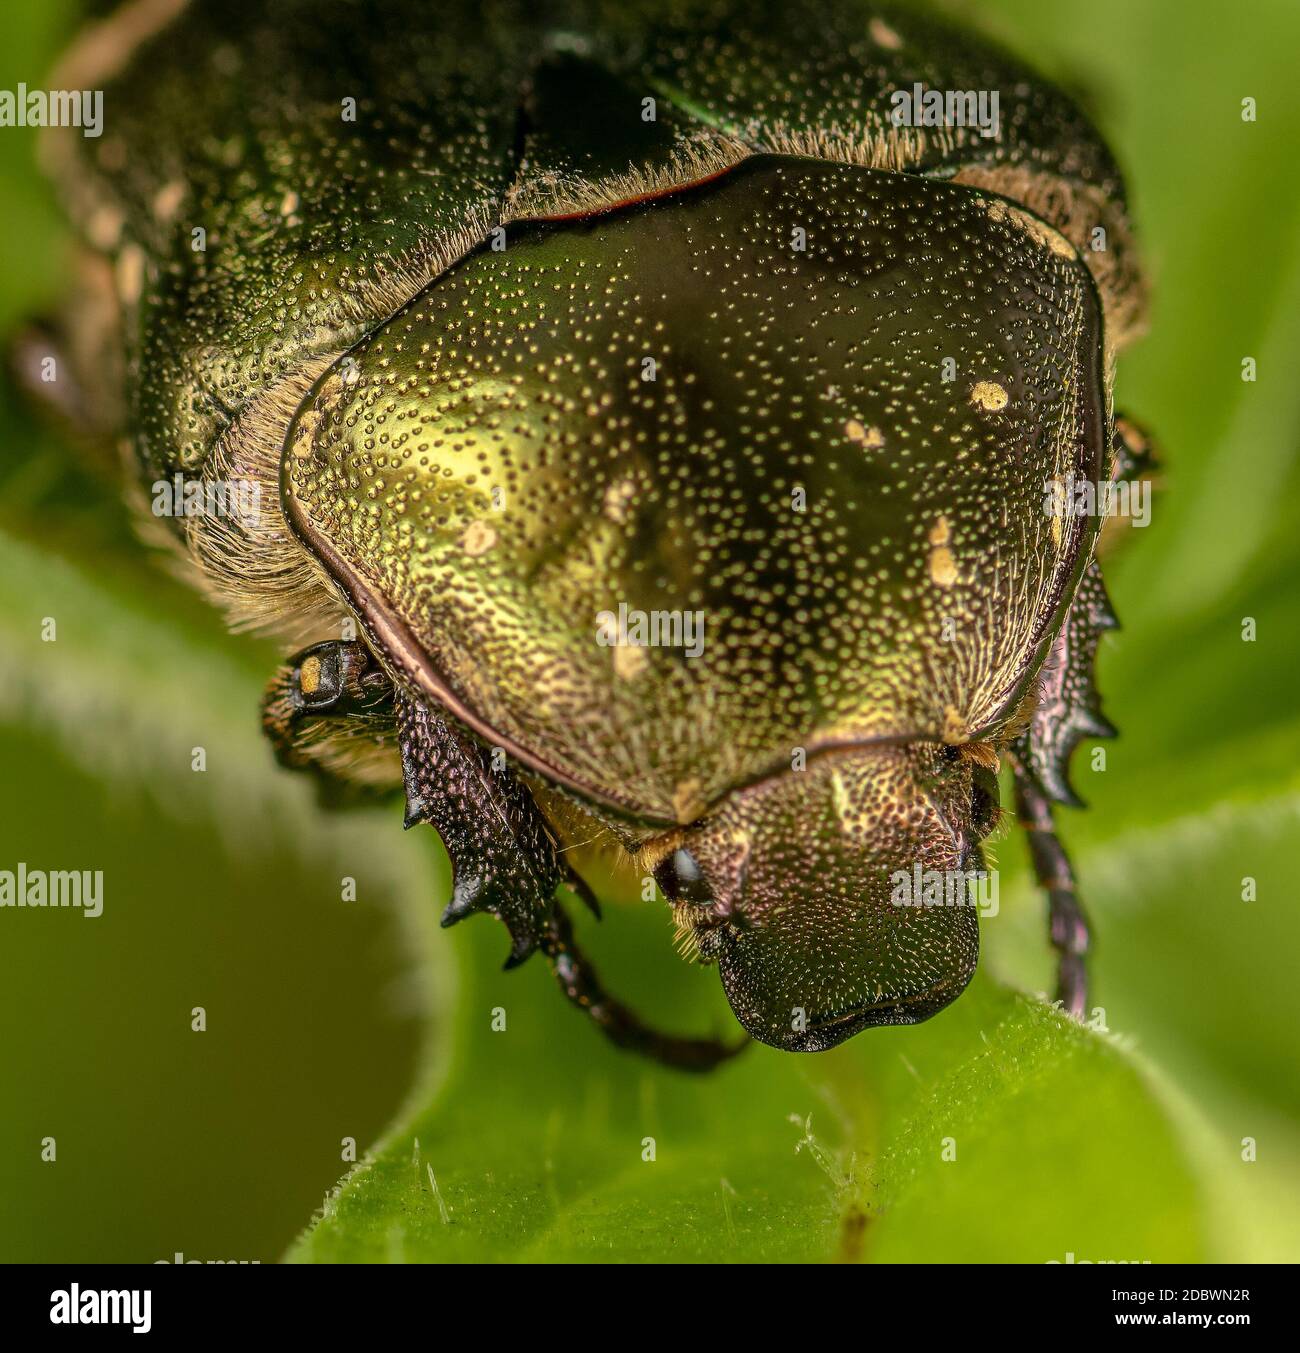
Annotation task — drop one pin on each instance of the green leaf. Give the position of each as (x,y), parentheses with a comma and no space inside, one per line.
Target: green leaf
(534,1145)
(220,889)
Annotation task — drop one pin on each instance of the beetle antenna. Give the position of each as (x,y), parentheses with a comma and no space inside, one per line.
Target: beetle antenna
(579,982)
(1066,922)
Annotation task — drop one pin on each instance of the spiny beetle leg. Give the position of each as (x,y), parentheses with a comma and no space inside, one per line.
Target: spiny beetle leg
(1069,704)
(504,860)
(1067,924)
(581,985)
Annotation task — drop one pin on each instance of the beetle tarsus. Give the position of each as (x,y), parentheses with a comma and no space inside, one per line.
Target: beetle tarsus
(1067,924)
(620,1025)
(583,889)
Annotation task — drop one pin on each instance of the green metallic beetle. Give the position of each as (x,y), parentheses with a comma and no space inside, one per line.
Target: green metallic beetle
(653,410)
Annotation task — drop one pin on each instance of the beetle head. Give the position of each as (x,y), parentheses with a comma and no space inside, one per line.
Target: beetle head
(809,891)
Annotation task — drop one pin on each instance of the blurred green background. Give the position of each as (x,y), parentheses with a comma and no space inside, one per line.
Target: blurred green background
(223,887)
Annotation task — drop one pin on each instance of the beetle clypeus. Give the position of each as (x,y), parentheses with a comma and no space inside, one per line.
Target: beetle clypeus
(653,436)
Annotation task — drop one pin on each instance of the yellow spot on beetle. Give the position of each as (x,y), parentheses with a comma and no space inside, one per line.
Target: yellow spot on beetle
(301,440)
(839,795)
(884,36)
(943,567)
(167,200)
(304,434)
(954,726)
(105,228)
(989,396)
(854,815)
(869,437)
(129,274)
(309,675)
(479,537)
(629,661)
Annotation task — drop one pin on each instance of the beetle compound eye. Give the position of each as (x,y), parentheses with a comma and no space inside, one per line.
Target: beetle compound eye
(681,879)
(320,677)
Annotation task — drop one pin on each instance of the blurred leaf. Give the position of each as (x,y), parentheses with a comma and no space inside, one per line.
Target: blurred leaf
(220,890)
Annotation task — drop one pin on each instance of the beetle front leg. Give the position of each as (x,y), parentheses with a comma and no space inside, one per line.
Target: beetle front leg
(504,859)
(506,862)
(1067,924)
